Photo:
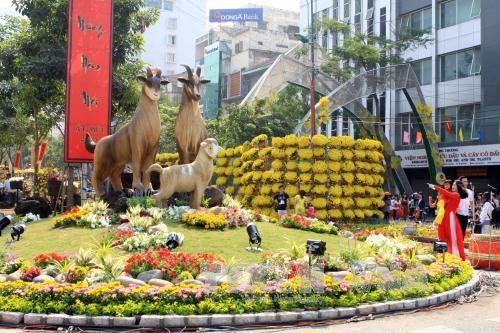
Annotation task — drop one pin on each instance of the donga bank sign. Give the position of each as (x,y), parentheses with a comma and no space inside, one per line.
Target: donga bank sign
(237,15)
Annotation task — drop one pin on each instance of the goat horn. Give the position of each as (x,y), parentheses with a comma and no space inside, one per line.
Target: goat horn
(198,71)
(189,71)
(149,72)
(158,73)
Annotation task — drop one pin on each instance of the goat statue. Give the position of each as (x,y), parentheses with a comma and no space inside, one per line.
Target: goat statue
(136,142)
(190,130)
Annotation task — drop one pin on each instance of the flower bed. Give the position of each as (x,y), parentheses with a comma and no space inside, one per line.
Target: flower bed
(304,223)
(205,220)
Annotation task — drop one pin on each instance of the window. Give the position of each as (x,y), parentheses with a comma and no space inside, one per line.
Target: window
(153,3)
(335,10)
(347,8)
(238,47)
(172,23)
(357,16)
(260,43)
(168,5)
(171,40)
(171,58)
(460,64)
(423,70)
(416,22)
(324,14)
(458,11)
(335,40)
(324,40)
(409,130)
(383,22)
(457,123)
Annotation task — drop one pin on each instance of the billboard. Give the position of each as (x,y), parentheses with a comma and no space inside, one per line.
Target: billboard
(237,15)
(88,88)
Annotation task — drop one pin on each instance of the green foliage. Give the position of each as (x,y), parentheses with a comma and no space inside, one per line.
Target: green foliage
(145,202)
(350,255)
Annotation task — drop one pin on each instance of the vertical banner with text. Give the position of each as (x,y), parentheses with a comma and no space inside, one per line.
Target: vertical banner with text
(88,90)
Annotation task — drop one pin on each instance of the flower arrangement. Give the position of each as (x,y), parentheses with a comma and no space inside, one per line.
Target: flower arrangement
(277,142)
(303,141)
(143,241)
(291,140)
(205,220)
(30,217)
(31,273)
(319,140)
(259,140)
(305,153)
(70,218)
(45,259)
(319,167)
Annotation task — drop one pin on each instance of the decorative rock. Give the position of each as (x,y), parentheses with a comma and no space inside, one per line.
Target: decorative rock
(395,305)
(13,276)
(128,281)
(211,278)
(409,304)
(267,317)
(214,195)
(77,320)
(338,275)
(288,316)
(35,319)
(328,313)
(43,278)
(421,302)
(426,259)
(197,320)
(160,283)
(244,278)
(57,319)
(103,321)
(148,275)
(122,227)
(346,312)
(3,277)
(365,309)
(50,271)
(221,320)
(151,321)
(381,269)
(11,317)
(309,315)
(158,229)
(380,307)
(60,278)
(245,319)
(174,321)
(123,321)
(192,281)
(126,274)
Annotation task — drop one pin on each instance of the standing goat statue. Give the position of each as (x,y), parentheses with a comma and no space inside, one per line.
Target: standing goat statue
(190,130)
(136,142)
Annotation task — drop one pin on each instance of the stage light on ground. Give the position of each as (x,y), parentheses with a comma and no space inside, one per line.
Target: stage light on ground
(315,247)
(440,247)
(173,241)
(254,237)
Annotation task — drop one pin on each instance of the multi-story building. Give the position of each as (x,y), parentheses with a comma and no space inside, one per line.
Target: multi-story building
(235,55)
(458,72)
(171,41)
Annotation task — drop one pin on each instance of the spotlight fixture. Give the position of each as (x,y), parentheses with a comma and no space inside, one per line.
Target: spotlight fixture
(173,241)
(4,222)
(440,247)
(253,237)
(315,247)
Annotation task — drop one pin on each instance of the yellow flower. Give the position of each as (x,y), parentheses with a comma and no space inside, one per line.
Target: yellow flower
(335,190)
(319,167)
(321,214)
(236,172)
(257,164)
(321,178)
(221,181)
(305,177)
(277,176)
(249,189)
(349,214)
(324,103)
(348,166)
(319,152)
(304,141)
(334,166)
(265,153)
(277,165)
(335,202)
(236,162)
(347,190)
(360,154)
(305,154)
(237,181)
(347,154)
(278,153)
(346,141)
(259,139)
(267,175)
(291,176)
(319,140)
(291,140)
(305,187)
(335,213)
(229,171)
(276,187)
(304,166)
(320,189)
(230,152)
(359,213)
(229,190)
(250,154)
(221,161)
(221,153)
(257,175)
(319,203)
(277,142)
(265,189)
(335,177)
(292,190)
(334,155)
(348,177)
(291,152)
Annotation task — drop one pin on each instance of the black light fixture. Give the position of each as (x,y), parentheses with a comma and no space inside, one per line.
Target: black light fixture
(4,222)
(173,241)
(315,247)
(254,237)
(440,247)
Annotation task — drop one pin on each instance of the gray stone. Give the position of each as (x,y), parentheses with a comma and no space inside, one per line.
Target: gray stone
(382,269)
(308,315)
(127,281)
(148,275)
(221,320)
(174,321)
(346,312)
(364,310)
(13,276)
(426,259)
(123,321)
(50,270)
(3,277)
(11,317)
(160,283)
(126,274)
(60,278)
(288,316)
(409,304)
(210,278)
(123,227)
(192,281)
(43,278)
(197,320)
(380,307)
(78,320)
(57,319)
(104,321)
(395,305)
(267,317)
(433,300)
(328,313)
(422,302)
(151,321)
(245,319)
(35,319)
(338,275)
(158,229)
(244,278)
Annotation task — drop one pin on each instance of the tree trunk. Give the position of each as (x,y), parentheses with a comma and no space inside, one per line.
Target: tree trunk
(71,188)
(36,191)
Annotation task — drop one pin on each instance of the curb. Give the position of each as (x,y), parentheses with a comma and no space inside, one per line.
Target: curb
(157,321)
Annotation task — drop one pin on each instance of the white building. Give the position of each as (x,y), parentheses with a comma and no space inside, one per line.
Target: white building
(171,41)
(465,100)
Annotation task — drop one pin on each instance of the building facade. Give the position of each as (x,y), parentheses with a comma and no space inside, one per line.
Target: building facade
(458,72)
(235,55)
(171,41)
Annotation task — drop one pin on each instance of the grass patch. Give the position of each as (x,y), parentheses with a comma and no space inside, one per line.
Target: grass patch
(40,237)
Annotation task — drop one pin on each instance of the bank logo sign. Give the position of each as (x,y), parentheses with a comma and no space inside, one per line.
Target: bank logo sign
(237,15)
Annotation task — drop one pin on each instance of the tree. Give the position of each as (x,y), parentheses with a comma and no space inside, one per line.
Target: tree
(33,60)
(363,51)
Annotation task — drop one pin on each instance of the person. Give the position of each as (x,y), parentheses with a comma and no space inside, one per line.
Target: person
(465,205)
(448,227)
(300,203)
(395,203)
(432,207)
(421,205)
(387,207)
(310,212)
(486,213)
(404,205)
(281,201)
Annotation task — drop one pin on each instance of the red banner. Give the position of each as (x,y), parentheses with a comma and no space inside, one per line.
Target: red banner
(43,149)
(88,89)
(17,160)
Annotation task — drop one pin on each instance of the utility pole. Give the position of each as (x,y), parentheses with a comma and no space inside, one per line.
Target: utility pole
(312,39)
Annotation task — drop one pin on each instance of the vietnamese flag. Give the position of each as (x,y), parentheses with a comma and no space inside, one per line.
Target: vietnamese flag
(17,160)
(419,137)
(447,126)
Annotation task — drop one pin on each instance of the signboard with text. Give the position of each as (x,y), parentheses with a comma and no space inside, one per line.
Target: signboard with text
(453,156)
(88,89)
(237,15)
